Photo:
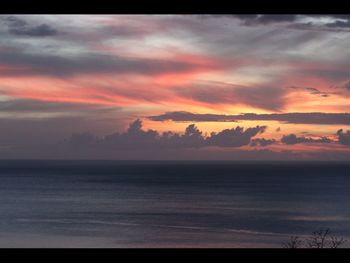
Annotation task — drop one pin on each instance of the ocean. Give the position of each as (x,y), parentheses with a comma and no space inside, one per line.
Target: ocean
(162,204)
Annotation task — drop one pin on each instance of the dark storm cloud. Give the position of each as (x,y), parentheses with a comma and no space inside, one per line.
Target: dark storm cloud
(136,138)
(343,137)
(23,64)
(262,142)
(303,118)
(17,26)
(293,139)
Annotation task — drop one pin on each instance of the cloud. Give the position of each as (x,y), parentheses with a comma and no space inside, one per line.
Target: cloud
(336,73)
(38,31)
(19,63)
(138,144)
(303,118)
(82,139)
(293,139)
(17,26)
(265,19)
(32,122)
(136,138)
(35,132)
(262,142)
(343,137)
(188,116)
(344,22)
(347,86)
(269,98)
(312,90)
(339,21)
(24,106)
(14,21)
(235,137)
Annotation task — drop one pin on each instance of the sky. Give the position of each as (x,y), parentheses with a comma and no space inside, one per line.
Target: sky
(193,87)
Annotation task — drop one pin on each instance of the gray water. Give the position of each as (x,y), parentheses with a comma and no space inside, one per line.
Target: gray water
(169,204)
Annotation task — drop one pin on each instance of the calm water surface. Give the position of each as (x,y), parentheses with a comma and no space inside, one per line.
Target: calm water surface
(169,204)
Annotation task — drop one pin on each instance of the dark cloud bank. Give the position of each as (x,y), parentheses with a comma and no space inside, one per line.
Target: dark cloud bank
(339,21)
(293,139)
(302,118)
(136,143)
(136,138)
(261,97)
(24,64)
(344,137)
(18,26)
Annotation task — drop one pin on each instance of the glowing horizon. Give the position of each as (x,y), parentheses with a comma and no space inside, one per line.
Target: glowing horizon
(66,74)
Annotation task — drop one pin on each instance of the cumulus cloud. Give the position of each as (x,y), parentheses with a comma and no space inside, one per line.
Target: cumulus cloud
(262,142)
(235,137)
(136,143)
(293,139)
(303,118)
(343,137)
(136,138)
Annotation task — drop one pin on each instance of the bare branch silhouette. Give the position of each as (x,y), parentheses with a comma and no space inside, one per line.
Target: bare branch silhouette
(318,239)
(294,242)
(337,242)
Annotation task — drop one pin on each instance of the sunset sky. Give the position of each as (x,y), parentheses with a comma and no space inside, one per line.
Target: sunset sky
(255,87)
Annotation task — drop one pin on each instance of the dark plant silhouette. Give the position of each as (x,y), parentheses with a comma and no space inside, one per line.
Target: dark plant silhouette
(318,239)
(337,242)
(294,242)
